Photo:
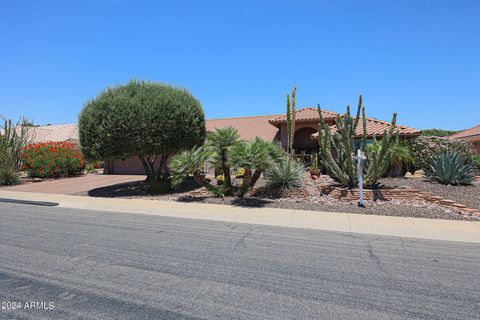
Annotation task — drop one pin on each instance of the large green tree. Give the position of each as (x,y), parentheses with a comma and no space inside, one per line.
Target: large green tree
(141,119)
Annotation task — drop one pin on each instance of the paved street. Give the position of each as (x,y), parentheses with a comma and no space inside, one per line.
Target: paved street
(99,265)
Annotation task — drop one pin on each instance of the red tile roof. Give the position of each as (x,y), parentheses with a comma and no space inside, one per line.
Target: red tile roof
(471,132)
(305,114)
(248,127)
(377,127)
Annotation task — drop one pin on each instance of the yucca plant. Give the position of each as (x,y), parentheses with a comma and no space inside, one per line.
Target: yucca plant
(219,143)
(288,174)
(8,176)
(13,138)
(450,168)
(254,157)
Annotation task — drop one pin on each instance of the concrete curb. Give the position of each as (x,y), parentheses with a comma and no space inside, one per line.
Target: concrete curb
(420,228)
(30,202)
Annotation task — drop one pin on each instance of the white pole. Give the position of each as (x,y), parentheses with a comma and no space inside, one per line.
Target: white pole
(360,162)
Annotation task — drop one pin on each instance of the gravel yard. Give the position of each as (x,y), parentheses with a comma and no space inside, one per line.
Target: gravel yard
(467,195)
(309,198)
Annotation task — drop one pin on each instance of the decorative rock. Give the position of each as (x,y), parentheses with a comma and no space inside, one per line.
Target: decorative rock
(408,175)
(419,174)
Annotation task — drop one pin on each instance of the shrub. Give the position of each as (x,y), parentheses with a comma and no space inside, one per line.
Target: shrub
(240,172)
(13,138)
(8,176)
(288,174)
(400,155)
(476,161)
(90,167)
(189,163)
(51,159)
(220,179)
(438,132)
(425,149)
(450,167)
(148,120)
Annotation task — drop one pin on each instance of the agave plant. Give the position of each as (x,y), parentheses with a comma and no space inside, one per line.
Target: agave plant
(288,174)
(189,162)
(450,168)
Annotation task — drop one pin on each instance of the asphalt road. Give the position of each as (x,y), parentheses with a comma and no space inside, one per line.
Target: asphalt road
(98,265)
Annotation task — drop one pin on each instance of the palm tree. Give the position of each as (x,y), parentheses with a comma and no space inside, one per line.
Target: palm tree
(220,142)
(255,157)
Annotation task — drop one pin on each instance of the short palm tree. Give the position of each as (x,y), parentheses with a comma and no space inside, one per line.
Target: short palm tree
(254,157)
(219,142)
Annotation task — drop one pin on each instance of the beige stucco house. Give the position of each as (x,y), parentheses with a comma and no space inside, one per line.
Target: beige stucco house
(471,135)
(269,127)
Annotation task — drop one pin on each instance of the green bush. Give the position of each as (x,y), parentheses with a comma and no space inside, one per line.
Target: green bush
(476,163)
(450,167)
(90,167)
(13,138)
(288,174)
(148,120)
(437,132)
(8,176)
(425,149)
(189,163)
(52,159)
(400,157)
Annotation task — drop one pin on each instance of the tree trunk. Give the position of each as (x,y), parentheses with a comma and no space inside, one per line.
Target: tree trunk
(247,180)
(226,173)
(255,177)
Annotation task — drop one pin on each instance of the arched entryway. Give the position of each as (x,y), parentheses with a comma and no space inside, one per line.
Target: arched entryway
(303,143)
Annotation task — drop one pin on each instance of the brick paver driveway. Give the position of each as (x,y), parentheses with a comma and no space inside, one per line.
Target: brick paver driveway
(74,184)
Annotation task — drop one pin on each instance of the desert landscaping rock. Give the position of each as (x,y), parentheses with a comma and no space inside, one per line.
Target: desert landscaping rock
(466,195)
(308,198)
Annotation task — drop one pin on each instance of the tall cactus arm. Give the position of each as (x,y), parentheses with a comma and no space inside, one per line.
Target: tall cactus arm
(364,131)
(357,117)
(327,159)
(289,123)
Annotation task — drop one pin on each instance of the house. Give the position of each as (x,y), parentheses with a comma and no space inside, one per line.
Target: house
(268,127)
(472,135)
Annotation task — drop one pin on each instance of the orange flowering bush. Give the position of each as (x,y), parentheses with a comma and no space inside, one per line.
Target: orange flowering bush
(51,159)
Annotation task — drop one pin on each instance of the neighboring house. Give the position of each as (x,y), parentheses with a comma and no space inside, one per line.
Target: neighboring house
(268,127)
(57,133)
(472,135)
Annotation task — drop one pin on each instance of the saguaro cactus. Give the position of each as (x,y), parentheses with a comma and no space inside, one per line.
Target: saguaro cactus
(293,118)
(289,123)
(338,150)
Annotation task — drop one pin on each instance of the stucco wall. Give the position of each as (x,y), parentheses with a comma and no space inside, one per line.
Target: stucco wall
(128,166)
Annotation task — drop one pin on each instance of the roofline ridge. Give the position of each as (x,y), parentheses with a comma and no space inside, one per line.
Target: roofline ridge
(243,117)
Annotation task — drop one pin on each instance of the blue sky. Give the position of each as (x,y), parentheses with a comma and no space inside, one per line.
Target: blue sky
(418,58)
